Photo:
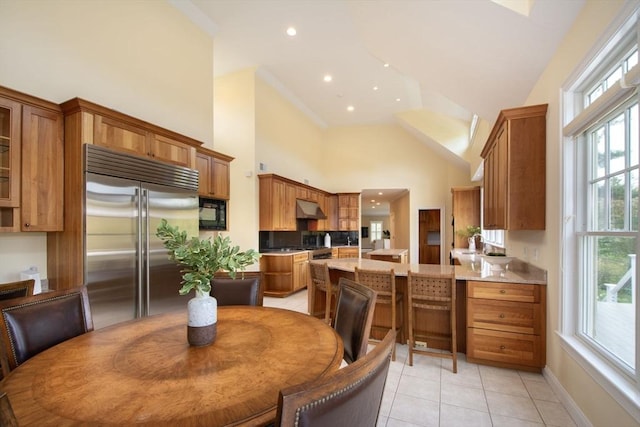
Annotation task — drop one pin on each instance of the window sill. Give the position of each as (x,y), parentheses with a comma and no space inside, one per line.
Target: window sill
(621,389)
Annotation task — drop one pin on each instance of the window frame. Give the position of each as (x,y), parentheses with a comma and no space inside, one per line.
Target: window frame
(623,387)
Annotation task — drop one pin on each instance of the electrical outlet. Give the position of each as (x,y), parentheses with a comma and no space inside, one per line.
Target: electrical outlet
(421,344)
(525,252)
(535,254)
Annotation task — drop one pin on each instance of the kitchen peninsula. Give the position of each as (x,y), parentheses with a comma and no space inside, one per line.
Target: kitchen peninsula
(500,313)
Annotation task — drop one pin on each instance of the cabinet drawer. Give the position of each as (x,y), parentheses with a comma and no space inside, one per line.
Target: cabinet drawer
(301,257)
(506,347)
(508,316)
(503,291)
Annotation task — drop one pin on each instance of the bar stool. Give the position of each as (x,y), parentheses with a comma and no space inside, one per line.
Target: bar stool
(384,283)
(427,292)
(320,280)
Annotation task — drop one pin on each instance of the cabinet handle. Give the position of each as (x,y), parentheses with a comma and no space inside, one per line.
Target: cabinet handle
(502,291)
(502,315)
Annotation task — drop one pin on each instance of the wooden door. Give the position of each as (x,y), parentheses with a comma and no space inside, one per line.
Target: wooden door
(430,245)
(120,136)
(220,185)
(168,150)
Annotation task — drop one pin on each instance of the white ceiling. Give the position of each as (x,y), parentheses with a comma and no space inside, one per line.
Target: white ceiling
(453,57)
(449,59)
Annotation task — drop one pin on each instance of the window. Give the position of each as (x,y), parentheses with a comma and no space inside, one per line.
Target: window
(601,154)
(376,230)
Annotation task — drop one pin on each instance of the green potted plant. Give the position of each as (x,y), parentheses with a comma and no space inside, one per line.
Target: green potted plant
(200,260)
(472,233)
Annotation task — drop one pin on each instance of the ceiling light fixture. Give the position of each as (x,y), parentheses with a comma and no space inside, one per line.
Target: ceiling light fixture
(327,78)
(397,99)
(375,88)
(350,108)
(291,31)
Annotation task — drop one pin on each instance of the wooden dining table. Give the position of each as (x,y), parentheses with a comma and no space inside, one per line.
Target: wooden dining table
(144,372)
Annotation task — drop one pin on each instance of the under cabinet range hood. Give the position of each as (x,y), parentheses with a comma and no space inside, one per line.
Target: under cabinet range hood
(308,210)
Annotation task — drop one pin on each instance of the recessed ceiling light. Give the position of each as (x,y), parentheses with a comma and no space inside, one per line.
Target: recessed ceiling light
(350,108)
(378,204)
(373,201)
(291,31)
(380,193)
(397,99)
(327,78)
(375,88)
(386,65)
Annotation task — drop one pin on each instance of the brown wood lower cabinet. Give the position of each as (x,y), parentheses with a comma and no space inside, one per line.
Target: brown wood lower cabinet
(284,274)
(506,324)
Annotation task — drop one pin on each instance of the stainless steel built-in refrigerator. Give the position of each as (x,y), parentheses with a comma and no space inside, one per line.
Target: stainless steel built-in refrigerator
(127,270)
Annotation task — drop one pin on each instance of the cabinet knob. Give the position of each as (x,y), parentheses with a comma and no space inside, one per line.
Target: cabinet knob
(502,347)
(502,315)
(27,225)
(502,291)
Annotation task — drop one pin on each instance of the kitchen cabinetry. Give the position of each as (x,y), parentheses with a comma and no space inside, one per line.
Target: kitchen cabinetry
(284,274)
(349,212)
(213,171)
(117,131)
(514,170)
(277,204)
(465,206)
(347,252)
(506,324)
(89,123)
(31,163)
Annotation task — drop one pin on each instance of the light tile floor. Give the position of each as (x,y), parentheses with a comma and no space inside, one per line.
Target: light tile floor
(430,394)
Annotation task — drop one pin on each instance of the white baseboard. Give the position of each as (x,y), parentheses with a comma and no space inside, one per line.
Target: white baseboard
(574,410)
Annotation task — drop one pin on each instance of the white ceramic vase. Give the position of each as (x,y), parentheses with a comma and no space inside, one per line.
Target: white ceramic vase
(203,319)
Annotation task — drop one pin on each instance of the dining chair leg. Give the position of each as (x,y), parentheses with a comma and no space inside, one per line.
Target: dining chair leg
(327,306)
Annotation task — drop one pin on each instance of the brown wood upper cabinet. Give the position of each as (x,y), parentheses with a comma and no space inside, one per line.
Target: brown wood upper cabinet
(214,174)
(348,211)
(514,170)
(31,163)
(277,204)
(117,131)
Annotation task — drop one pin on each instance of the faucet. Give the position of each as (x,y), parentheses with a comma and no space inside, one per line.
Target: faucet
(348,240)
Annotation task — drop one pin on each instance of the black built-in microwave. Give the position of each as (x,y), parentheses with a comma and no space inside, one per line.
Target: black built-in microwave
(212,214)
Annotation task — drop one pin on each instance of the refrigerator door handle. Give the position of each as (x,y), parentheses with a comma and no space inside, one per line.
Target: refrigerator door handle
(145,255)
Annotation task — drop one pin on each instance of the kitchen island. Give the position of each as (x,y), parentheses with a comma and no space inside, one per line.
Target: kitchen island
(391,255)
(500,314)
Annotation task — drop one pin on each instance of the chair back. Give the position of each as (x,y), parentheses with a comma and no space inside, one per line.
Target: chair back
(354,315)
(348,397)
(381,281)
(30,325)
(22,288)
(320,279)
(236,291)
(432,292)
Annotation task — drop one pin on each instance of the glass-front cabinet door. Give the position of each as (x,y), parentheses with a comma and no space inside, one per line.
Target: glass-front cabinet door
(9,162)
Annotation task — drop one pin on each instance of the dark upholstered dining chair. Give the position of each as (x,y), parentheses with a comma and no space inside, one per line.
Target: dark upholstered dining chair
(237,291)
(22,288)
(354,315)
(30,325)
(348,397)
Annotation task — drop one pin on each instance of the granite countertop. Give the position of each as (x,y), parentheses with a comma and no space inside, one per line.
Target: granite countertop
(392,252)
(349,264)
(472,267)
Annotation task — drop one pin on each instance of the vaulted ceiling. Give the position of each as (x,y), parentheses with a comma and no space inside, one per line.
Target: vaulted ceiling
(446,60)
